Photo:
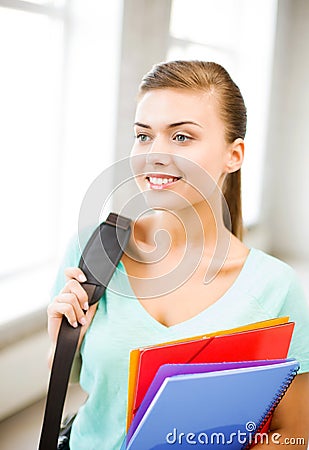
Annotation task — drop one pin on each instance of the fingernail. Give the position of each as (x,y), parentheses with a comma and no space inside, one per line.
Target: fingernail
(82,277)
(86,306)
(75,324)
(82,321)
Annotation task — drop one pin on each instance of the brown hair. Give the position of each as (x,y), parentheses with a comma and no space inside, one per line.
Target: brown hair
(213,78)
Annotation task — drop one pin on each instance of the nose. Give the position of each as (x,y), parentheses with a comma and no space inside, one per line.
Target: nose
(158,153)
(158,158)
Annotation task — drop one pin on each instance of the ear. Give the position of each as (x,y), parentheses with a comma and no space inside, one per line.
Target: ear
(235,156)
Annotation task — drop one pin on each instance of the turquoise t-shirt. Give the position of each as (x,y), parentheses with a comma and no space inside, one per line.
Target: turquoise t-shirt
(265,288)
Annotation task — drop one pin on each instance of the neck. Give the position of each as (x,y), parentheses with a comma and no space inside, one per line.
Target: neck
(188,236)
(195,226)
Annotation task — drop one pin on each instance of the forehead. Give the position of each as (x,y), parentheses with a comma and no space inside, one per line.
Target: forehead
(173,105)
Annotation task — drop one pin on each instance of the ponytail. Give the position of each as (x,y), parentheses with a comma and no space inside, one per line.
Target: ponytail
(232,194)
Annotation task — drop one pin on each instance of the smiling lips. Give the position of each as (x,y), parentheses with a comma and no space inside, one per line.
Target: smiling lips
(161,181)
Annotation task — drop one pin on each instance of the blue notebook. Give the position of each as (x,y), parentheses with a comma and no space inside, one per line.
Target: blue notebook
(167,370)
(222,404)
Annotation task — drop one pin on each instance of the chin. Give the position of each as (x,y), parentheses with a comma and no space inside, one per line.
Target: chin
(165,200)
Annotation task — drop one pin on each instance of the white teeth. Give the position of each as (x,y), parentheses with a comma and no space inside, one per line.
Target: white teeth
(157,180)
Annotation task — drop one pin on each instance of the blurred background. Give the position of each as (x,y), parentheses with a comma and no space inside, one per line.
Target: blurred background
(68,81)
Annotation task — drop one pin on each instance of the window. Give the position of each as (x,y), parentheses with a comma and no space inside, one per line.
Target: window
(31,61)
(240,36)
(57,89)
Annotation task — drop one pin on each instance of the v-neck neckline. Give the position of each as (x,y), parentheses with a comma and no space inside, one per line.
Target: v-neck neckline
(226,296)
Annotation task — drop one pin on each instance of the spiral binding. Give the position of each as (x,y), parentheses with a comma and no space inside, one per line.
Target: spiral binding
(273,405)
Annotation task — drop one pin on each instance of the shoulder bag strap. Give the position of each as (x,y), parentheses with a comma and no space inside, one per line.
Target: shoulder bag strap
(98,261)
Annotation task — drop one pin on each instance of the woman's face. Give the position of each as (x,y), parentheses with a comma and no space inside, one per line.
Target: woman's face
(180,153)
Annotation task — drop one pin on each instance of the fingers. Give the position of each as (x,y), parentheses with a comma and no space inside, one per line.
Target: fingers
(71,302)
(74,287)
(54,322)
(67,304)
(76,273)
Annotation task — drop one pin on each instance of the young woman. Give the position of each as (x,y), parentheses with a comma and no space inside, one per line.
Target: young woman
(189,127)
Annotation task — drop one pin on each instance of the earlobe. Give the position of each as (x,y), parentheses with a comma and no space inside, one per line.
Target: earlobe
(235,155)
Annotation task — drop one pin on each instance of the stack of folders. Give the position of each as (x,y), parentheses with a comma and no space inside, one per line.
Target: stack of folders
(217,389)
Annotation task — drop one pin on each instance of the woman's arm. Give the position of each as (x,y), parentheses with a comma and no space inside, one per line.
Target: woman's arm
(290,422)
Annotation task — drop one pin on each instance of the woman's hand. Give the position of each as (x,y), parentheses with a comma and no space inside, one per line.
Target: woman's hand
(290,422)
(71,302)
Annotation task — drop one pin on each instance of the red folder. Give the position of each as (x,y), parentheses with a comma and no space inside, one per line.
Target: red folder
(264,343)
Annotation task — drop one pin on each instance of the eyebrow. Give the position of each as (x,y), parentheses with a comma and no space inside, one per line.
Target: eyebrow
(172,125)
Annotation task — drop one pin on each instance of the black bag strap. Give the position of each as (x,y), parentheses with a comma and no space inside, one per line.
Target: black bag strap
(98,262)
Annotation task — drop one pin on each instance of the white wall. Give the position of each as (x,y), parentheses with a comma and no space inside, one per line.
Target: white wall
(24,373)
(286,187)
